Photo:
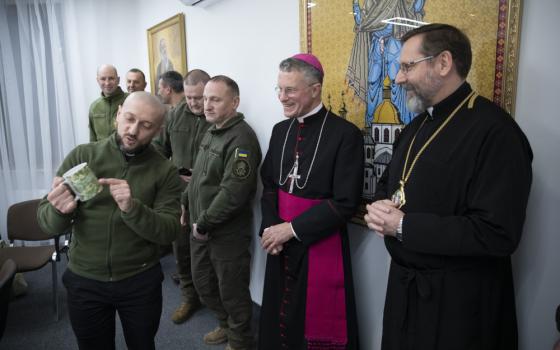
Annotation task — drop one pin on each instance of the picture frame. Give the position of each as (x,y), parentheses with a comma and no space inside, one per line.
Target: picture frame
(333,30)
(167,48)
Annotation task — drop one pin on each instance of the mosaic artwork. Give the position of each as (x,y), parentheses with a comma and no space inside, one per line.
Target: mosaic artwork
(358,43)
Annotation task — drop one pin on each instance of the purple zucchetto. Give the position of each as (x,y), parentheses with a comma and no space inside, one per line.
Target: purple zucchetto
(310,59)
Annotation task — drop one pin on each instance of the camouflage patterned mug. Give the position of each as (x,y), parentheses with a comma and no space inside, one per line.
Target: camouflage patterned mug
(82,181)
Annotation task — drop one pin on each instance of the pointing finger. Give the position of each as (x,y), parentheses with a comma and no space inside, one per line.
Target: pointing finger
(110,181)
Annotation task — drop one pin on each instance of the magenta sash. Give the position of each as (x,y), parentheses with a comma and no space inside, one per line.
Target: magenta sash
(325,311)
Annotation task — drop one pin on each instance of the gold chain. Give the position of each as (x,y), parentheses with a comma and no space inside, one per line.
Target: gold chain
(405,174)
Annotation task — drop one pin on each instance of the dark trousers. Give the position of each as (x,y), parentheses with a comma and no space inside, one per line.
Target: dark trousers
(92,306)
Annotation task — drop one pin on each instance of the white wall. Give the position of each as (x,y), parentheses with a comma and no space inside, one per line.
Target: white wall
(247,39)
(103,36)
(537,261)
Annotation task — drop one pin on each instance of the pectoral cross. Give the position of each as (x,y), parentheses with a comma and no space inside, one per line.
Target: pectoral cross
(294,175)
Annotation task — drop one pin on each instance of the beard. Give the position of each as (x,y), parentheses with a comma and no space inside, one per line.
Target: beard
(130,151)
(419,98)
(416,103)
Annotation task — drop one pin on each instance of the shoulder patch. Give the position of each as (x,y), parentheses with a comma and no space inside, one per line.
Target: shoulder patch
(241,168)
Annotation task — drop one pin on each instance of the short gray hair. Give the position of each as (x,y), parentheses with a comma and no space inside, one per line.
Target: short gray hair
(195,77)
(312,74)
(230,83)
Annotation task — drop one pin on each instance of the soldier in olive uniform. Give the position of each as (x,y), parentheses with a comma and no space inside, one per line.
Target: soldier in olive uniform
(180,141)
(103,111)
(222,187)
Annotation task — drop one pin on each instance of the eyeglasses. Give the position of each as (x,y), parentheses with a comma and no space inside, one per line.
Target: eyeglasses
(290,91)
(406,67)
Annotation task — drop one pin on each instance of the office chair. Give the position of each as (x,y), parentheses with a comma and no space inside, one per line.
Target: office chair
(23,226)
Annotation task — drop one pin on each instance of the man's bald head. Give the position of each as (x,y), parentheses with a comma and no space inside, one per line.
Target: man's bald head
(139,119)
(106,68)
(150,102)
(108,79)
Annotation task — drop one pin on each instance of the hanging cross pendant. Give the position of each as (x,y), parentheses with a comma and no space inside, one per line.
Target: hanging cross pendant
(294,176)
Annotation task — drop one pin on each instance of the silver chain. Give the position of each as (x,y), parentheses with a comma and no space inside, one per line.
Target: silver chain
(312,160)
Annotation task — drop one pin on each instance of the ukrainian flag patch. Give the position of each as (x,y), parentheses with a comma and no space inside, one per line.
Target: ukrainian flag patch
(241,153)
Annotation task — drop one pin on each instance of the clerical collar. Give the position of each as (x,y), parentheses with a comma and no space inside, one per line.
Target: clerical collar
(430,111)
(445,106)
(313,111)
(129,155)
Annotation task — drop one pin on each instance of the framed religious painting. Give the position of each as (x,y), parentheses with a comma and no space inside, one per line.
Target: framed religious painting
(167,48)
(358,43)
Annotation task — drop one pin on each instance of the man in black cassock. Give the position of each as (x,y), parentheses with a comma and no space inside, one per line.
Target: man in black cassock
(451,205)
(312,176)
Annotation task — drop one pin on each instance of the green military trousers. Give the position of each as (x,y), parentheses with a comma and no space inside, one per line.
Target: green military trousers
(182,252)
(221,275)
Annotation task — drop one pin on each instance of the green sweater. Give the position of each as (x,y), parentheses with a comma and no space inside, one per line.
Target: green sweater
(224,179)
(107,244)
(181,136)
(102,114)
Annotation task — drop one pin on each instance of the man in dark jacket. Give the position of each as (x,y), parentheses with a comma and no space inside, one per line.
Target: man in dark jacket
(312,179)
(451,205)
(180,141)
(223,185)
(114,254)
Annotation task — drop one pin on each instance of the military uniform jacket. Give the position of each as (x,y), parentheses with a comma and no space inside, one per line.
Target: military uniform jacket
(224,179)
(102,114)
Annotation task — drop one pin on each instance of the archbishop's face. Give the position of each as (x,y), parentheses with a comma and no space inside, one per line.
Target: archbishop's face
(297,95)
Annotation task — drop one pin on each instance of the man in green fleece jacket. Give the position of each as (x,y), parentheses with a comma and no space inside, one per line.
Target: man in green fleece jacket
(114,254)
(180,140)
(223,184)
(102,111)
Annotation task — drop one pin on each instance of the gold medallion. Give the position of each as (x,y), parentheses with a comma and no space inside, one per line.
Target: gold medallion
(398,197)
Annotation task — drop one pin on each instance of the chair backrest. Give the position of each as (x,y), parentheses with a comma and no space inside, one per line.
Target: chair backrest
(7,272)
(22,222)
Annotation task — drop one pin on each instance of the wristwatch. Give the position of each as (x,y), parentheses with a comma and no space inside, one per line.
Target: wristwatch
(399,230)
